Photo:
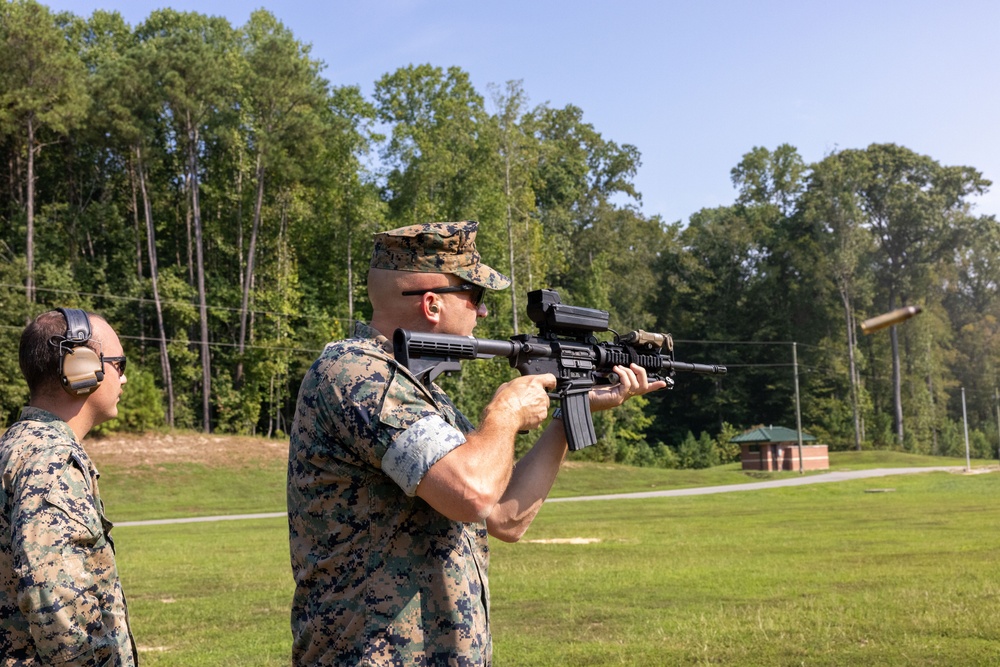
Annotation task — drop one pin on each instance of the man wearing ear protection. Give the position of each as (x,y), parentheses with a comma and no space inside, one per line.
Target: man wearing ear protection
(392,491)
(61,601)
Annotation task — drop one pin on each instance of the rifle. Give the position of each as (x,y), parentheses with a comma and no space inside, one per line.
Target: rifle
(564,346)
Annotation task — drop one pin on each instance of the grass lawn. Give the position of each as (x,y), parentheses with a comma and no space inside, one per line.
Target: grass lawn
(208,594)
(815,575)
(171,490)
(829,574)
(175,490)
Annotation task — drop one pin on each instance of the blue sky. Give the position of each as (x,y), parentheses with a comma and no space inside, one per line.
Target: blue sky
(694,85)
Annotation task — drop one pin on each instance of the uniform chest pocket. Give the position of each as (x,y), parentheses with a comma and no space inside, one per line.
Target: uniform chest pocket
(73,504)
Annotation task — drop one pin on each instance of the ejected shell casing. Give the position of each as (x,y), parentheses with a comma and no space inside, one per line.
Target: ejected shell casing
(888,319)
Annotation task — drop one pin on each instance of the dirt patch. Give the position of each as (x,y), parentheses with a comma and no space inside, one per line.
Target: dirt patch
(979,470)
(567,540)
(572,465)
(150,449)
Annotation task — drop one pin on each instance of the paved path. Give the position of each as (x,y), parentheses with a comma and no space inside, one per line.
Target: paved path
(202,519)
(772,484)
(696,491)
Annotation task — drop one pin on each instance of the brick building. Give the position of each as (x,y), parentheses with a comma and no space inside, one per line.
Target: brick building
(777,448)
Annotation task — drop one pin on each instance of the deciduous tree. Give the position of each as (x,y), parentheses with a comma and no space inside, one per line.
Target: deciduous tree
(41,88)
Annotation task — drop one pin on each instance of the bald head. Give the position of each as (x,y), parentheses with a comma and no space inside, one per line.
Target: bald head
(385,291)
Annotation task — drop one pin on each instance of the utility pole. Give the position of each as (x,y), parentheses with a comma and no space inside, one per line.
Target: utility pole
(798,411)
(965,423)
(996,397)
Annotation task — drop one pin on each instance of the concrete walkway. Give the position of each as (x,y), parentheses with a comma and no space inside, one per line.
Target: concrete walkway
(772,484)
(696,491)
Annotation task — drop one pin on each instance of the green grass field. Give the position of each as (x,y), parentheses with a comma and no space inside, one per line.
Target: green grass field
(890,571)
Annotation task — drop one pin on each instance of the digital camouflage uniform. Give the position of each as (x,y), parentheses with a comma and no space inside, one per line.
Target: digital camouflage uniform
(61,601)
(381,577)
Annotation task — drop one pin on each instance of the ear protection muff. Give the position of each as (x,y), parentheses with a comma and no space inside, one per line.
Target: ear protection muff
(81,369)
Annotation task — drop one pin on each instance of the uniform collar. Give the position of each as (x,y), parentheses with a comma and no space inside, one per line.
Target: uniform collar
(30,413)
(368,332)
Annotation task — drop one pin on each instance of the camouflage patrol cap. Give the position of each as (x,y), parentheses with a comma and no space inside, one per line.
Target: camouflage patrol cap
(436,247)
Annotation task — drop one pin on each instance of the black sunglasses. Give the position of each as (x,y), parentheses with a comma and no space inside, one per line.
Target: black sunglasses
(117,362)
(477,298)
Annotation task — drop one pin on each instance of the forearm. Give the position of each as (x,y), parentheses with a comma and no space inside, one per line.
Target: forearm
(529,485)
(536,471)
(466,484)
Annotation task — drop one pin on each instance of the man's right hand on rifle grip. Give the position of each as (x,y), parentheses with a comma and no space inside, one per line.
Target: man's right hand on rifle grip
(525,398)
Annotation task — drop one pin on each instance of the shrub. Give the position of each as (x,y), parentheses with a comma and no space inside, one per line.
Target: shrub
(141,407)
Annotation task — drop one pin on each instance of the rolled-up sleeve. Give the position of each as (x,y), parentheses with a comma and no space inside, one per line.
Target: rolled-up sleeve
(416,449)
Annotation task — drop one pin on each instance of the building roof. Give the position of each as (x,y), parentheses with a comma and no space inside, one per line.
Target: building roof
(772,434)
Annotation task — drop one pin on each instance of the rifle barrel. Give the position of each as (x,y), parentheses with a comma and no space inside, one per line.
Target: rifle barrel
(707,369)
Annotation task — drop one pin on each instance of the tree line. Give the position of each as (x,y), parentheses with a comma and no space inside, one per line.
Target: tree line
(205,188)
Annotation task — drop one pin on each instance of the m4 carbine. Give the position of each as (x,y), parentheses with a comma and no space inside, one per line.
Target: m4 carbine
(565,346)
